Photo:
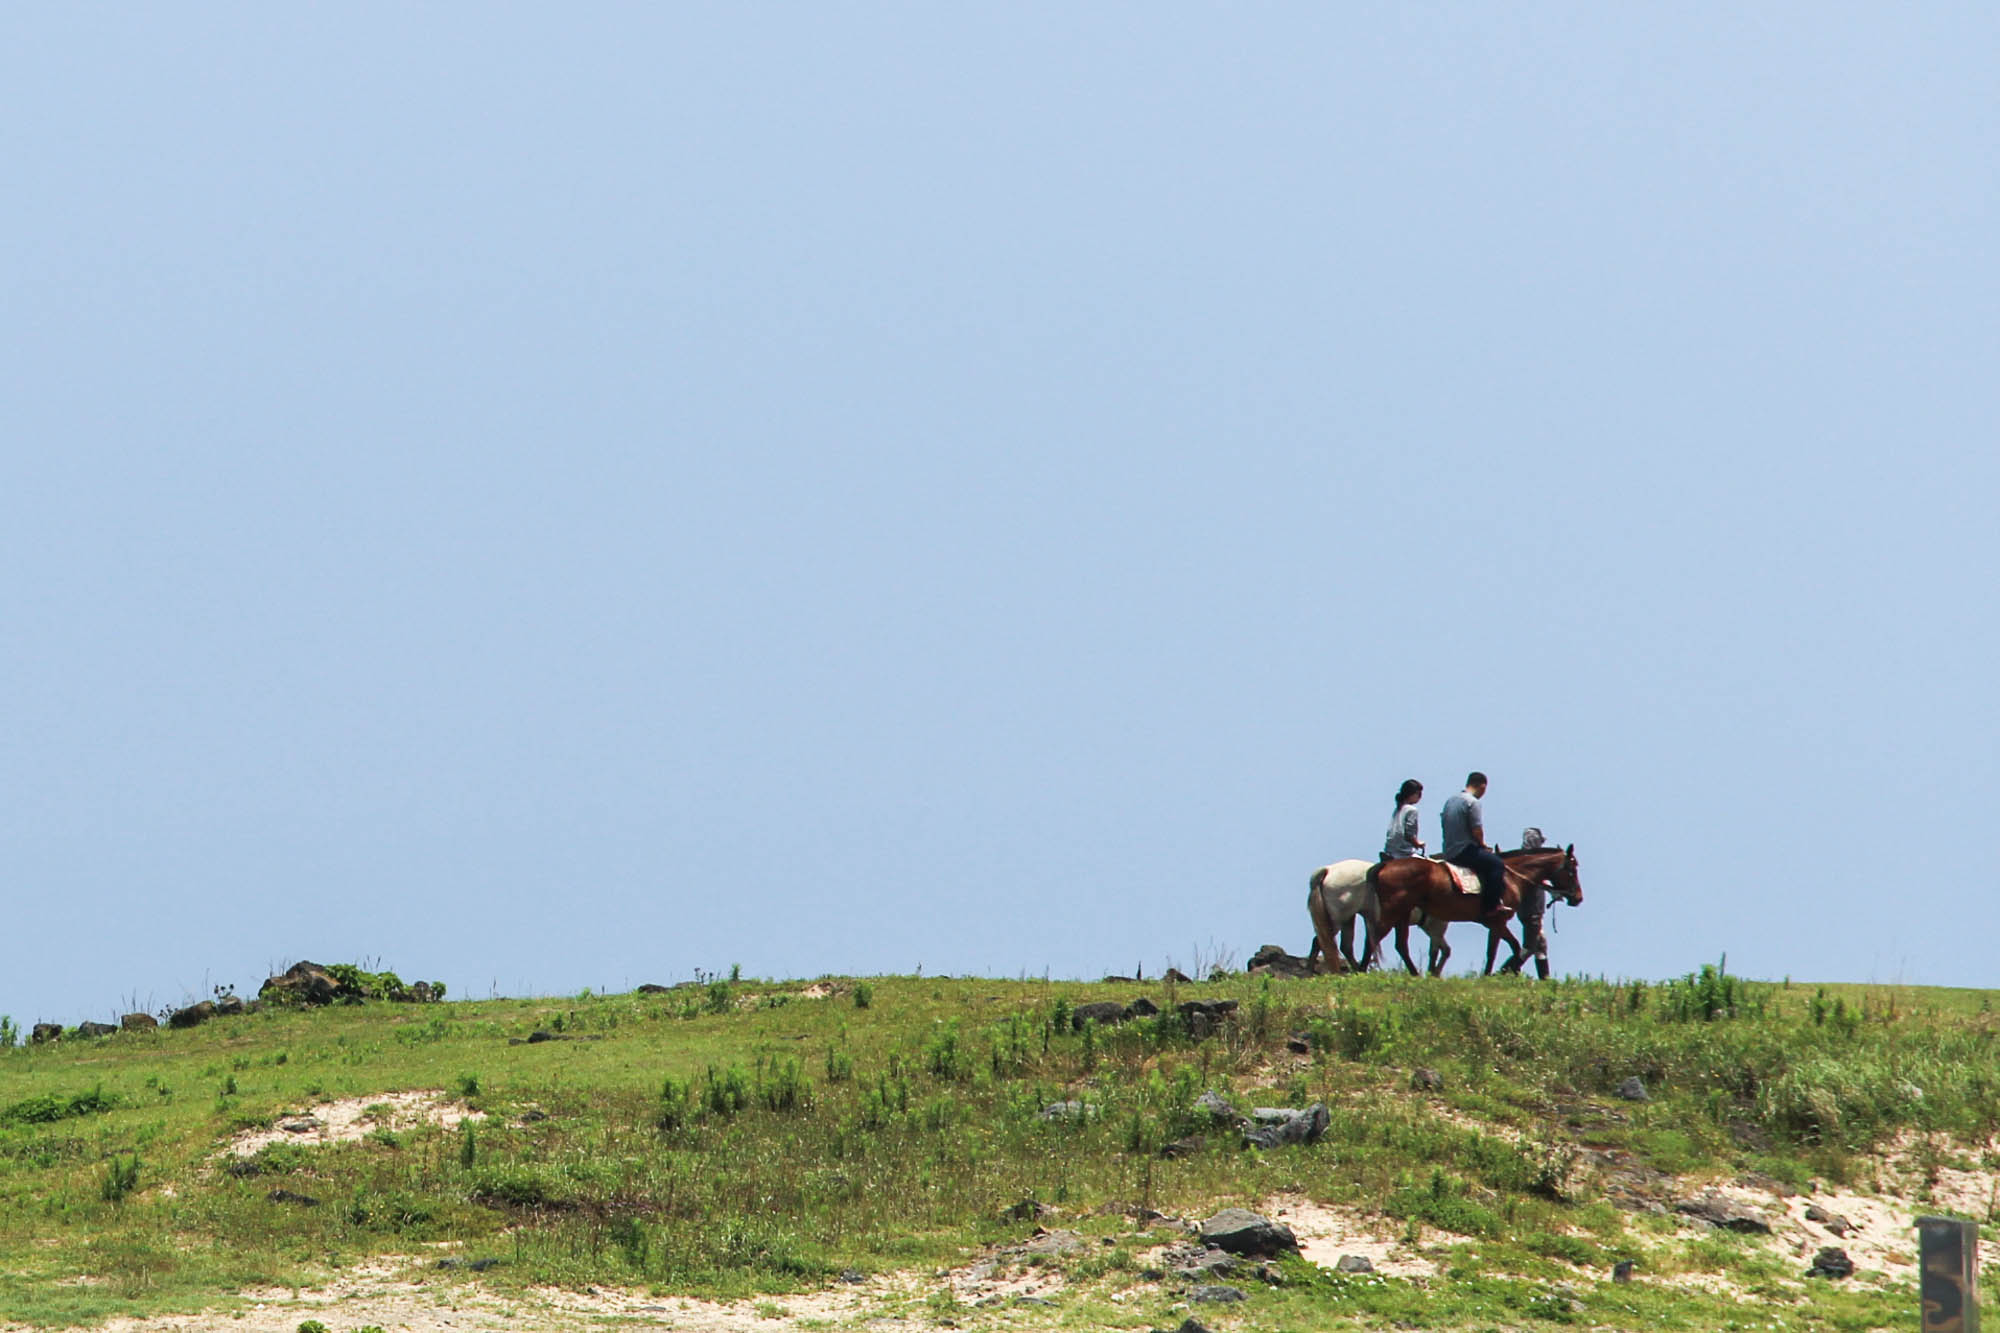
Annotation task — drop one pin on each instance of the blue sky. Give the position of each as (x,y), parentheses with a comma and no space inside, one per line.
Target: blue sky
(558,498)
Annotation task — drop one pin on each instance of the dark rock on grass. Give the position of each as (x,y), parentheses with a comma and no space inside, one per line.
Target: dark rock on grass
(138,1022)
(1101,1012)
(853,1277)
(1217,1107)
(1833,1222)
(229,1006)
(1622,1271)
(1048,1243)
(1298,1127)
(1721,1211)
(301,1124)
(1142,1008)
(301,983)
(1633,1089)
(1426,1080)
(192,1016)
(1205,1263)
(1273,961)
(1120,981)
(1241,1231)
(1027,1210)
(1203,1017)
(95,1029)
(1186,1147)
(1177,977)
(1831,1262)
(1216,1295)
(533,1116)
(1299,1043)
(1187,1326)
(44,1033)
(653,988)
(287,1196)
(1355,1263)
(1069,1111)
(469,1265)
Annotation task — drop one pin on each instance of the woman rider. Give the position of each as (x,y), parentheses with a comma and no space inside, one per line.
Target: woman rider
(1403,839)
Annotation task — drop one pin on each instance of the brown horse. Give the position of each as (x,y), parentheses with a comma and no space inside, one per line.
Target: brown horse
(1411,883)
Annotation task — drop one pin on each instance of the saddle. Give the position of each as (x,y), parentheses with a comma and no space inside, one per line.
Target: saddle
(1468,881)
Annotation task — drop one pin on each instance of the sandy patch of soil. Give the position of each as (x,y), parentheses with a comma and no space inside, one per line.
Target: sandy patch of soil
(391,1294)
(350,1120)
(1325,1233)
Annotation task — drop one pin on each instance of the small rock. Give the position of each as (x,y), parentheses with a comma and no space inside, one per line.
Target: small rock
(540,1035)
(287,1196)
(301,1124)
(1299,1043)
(138,1022)
(1426,1080)
(1633,1089)
(652,988)
(852,1276)
(301,983)
(1354,1263)
(1217,1107)
(1178,978)
(192,1016)
(1119,981)
(1027,1210)
(533,1116)
(1142,1008)
(1831,1262)
(1069,1111)
(228,1006)
(1719,1210)
(1102,1012)
(95,1029)
(1240,1231)
(1622,1271)
(1833,1222)
(1304,1127)
(1271,960)
(44,1033)
(1216,1295)
(1186,1147)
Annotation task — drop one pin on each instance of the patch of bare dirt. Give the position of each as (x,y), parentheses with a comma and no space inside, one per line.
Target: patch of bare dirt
(351,1119)
(395,1295)
(1327,1232)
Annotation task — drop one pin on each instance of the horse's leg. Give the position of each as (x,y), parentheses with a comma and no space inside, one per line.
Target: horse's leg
(1492,948)
(1517,953)
(1347,943)
(1440,950)
(1403,947)
(1323,932)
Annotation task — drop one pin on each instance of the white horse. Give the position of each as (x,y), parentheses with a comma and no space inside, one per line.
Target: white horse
(1335,895)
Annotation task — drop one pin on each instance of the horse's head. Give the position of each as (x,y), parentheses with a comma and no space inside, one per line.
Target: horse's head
(1566,882)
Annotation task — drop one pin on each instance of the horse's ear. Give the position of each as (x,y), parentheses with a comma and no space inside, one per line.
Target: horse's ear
(1570,851)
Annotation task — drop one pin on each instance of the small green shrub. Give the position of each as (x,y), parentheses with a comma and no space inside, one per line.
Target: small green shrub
(467,1087)
(864,995)
(121,1177)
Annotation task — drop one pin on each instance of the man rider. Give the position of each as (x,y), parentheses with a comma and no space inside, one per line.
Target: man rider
(1465,842)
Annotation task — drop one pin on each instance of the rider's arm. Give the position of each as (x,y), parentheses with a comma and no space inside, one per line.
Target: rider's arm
(1478,835)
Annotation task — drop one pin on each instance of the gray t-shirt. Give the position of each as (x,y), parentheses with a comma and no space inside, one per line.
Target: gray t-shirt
(1461,816)
(1403,834)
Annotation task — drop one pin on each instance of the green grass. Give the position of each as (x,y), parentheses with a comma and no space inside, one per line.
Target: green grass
(737,1139)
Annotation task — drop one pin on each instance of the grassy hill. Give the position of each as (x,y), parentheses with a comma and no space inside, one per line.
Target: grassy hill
(751,1141)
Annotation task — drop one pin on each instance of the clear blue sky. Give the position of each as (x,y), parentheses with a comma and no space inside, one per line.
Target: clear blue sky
(550,497)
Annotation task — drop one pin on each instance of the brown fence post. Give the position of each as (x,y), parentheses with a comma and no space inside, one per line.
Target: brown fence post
(1948,1282)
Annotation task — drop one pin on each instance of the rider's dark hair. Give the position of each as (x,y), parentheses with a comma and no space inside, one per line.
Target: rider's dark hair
(1409,791)
(1475,779)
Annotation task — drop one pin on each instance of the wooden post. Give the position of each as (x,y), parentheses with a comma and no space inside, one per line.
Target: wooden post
(1948,1281)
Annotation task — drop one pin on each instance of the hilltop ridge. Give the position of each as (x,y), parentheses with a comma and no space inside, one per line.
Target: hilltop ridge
(969,1152)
